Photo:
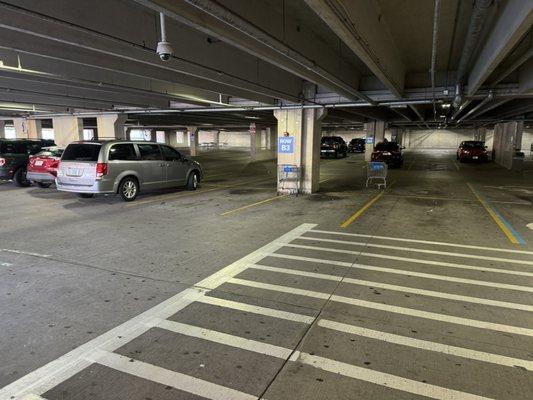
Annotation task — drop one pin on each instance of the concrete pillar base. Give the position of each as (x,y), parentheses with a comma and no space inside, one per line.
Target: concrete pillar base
(2,129)
(193,140)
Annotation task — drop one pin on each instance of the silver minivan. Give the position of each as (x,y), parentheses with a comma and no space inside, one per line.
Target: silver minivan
(124,167)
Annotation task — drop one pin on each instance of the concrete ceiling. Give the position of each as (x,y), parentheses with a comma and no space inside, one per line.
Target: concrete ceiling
(74,56)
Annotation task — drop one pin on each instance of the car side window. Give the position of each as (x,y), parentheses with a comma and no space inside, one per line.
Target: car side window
(149,152)
(170,154)
(20,148)
(123,151)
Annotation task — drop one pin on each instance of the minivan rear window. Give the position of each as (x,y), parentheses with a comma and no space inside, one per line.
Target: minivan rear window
(81,152)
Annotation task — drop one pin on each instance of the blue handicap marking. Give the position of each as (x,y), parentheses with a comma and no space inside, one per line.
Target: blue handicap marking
(286,144)
(370,140)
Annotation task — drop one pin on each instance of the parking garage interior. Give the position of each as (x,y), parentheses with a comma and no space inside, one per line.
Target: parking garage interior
(287,274)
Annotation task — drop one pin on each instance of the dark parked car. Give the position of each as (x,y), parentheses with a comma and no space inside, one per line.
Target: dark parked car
(334,146)
(42,168)
(472,150)
(14,157)
(356,145)
(389,153)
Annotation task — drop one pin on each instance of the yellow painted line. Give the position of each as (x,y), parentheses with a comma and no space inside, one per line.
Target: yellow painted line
(411,165)
(360,212)
(254,204)
(505,227)
(456,165)
(172,196)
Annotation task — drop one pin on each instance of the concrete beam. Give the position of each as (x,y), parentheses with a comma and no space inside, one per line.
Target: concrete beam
(360,26)
(76,42)
(514,21)
(525,78)
(15,96)
(213,19)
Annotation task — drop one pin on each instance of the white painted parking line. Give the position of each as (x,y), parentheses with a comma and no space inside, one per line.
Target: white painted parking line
(391,338)
(384,379)
(270,312)
(427,345)
(464,246)
(409,259)
(167,377)
(380,378)
(396,288)
(25,253)
(386,307)
(416,250)
(226,339)
(497,285)
(33,397)
(59,370)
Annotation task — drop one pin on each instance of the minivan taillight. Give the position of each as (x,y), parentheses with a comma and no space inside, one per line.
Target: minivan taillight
(101,169)
(2,161)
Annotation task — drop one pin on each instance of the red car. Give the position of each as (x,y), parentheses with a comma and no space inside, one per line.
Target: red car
(42,167)
(389,153)
(472,150)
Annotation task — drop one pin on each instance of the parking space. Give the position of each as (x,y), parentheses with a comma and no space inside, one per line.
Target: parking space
(180,295)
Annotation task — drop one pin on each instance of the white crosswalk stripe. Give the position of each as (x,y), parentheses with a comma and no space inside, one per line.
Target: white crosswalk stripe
(430,293)
(407,272)
(272,274)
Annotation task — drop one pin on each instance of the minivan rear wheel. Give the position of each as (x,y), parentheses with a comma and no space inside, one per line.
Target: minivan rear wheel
(192,182)
(128,189)
(19,177)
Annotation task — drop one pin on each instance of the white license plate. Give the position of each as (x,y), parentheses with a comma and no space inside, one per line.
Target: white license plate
(74,172)
(474,158)
(39,163)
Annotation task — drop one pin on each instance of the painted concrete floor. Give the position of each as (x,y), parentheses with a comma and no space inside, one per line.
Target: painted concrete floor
(231,293)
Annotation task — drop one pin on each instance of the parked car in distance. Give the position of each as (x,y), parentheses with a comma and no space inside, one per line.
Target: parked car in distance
(333,145)
(357,145)
(42,167)
(389,153)
(14,157)
(472,150)
(125,168)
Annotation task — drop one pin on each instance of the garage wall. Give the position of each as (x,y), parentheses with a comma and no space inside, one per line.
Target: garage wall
(235,139)
(436,139)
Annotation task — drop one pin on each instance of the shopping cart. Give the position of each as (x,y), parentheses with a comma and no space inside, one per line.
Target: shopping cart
(376,170)
(289,177)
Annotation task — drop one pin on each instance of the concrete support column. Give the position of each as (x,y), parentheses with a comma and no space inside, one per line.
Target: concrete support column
(21,128)
(192,132)
(67,130)
(171,138)
(304,129)
(111,126)
(2,129)
(375,133)
(216,138)
(255,143)
(507,141)
(35,129)
(480,134)
(394,135)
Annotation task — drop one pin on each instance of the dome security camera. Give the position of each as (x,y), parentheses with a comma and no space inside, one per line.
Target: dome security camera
(164,50)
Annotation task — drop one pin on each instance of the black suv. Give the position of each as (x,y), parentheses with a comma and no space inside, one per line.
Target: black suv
(333,145)
(14,157)
(356,145)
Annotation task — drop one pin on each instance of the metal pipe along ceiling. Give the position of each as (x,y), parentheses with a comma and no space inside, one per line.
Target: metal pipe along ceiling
(479,14)
(436,17)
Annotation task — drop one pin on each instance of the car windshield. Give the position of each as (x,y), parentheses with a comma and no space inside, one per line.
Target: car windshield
(50,152)
(472,144)
(387,146)
(81,152)
(331,139)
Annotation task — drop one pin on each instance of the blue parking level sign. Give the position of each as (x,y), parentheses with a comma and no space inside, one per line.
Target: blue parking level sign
(286,144)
